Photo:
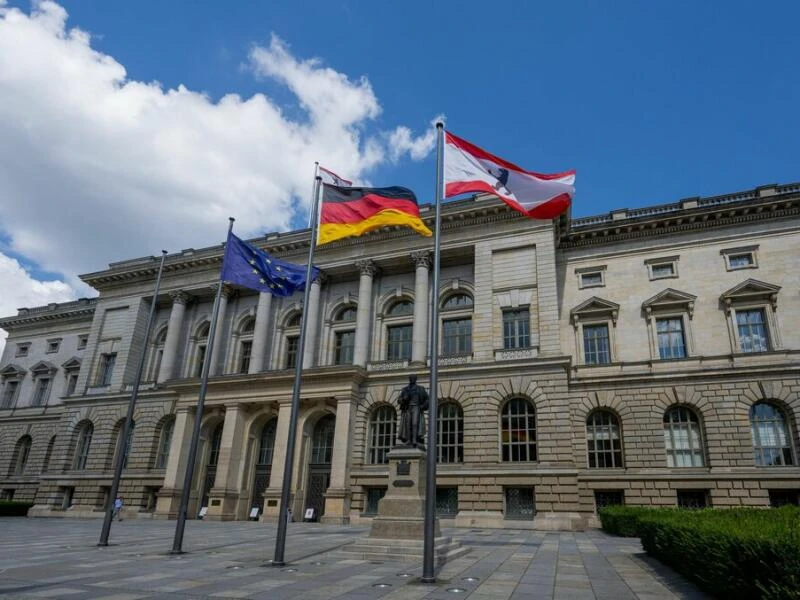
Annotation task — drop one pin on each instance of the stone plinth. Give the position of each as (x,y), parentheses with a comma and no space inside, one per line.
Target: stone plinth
(398,530)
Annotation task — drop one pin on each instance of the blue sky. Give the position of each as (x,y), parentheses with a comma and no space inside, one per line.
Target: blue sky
(650,102)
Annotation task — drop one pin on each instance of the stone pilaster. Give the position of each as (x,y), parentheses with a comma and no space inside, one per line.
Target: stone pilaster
(168,360)
(337,497)
(368,270)
(169,496)
(419,339)
(224,496)
(217,351)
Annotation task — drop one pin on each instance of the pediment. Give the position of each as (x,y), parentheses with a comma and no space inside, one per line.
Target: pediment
(752,290)
(670,298)
(12,370)
(42,367)
(72,364)
(595,307)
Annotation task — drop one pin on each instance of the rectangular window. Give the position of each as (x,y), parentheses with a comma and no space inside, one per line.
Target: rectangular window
(82,341)
(10,393)
(7,495)
(201,358)
(519,503)
(752,330)
(671,342)
(291,351)
(107,362)
(399,344)
(743,257)
(53,345)
(23,349)
(693,498)
(603,498)
(457,336)
(345,346)
(741,261)
(592,279)
(663,270)
(72,383)
(244,359)
(516,328)
(596,347)
(40,393)
(66,498)
(446,501)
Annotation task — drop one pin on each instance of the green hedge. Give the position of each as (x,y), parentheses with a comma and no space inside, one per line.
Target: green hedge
(9,508)
(738,553)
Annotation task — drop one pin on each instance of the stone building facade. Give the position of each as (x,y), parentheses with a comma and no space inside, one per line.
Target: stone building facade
(646,356)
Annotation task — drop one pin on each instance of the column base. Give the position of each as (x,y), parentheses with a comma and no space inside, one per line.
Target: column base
(222,505)
(337,506)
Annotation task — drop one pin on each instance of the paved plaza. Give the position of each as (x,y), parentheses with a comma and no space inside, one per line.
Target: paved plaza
(55,558)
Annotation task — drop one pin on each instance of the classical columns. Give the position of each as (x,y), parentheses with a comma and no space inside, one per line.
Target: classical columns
(273,493)
(419,336)
(313,322)
(337,498)
(225,494)
(260,333)
(217,358)
(179,301)
(368,270)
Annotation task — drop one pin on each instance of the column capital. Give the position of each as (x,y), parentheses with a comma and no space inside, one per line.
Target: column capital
(180,297)
(321,279)
(421,258)
(367,267)
(227,290)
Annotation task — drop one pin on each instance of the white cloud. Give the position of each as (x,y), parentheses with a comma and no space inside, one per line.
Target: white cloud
(97,167)
(20,290)
(402,141)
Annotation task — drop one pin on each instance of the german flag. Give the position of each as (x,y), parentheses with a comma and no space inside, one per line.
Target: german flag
(351,211)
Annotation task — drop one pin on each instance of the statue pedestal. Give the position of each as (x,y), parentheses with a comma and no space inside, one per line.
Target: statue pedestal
(398,531)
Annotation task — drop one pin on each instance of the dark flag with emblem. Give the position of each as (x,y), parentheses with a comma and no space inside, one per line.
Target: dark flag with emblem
(254,268)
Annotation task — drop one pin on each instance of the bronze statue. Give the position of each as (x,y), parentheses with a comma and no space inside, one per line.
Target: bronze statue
(413,403)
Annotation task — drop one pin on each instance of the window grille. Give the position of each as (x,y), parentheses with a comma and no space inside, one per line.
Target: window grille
(518,431)
(519,503)
(603,441)
(382,433)
(446,501)
(450,433)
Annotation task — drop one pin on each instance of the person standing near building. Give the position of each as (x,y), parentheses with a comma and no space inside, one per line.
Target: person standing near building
(117,508)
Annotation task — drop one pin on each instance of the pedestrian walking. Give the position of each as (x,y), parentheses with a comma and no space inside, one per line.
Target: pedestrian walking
(117,508)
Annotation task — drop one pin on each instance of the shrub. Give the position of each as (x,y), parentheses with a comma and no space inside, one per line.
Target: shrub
(738,553)
(623,520)
(10,508)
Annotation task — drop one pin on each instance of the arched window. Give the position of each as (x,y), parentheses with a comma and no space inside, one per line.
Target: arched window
(266,445)
(382,433)
(85,432)
(457,324)
(157,354)
(682,438)
(344,336)
(120,433)
(399,330)
(48,454)
(22,451)
(322,440)
(450,433)
(292,333)
(518,430)
(246,345)
(164,442)
(201,347)
(603,442)
(772,444)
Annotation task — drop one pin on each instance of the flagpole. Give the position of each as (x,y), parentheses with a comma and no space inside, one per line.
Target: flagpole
(428,566)
(288,464)
(316,174)
(177,543)
(127,428)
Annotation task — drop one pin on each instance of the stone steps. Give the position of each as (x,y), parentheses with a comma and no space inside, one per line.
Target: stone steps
(406,551)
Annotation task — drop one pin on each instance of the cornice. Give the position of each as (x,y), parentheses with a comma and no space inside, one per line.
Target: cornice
(66,311)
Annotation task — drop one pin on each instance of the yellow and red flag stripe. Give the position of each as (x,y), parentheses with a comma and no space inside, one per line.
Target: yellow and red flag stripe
(352,211)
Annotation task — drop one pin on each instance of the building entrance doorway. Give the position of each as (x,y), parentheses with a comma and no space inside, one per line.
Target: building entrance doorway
(319,471)
(263,470)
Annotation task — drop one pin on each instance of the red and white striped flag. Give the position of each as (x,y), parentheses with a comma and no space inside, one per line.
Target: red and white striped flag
(332,178)
(468,168)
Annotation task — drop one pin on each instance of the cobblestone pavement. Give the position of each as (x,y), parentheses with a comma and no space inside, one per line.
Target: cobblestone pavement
(58,558)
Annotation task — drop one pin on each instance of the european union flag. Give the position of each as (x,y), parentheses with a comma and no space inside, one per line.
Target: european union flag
(251,267)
